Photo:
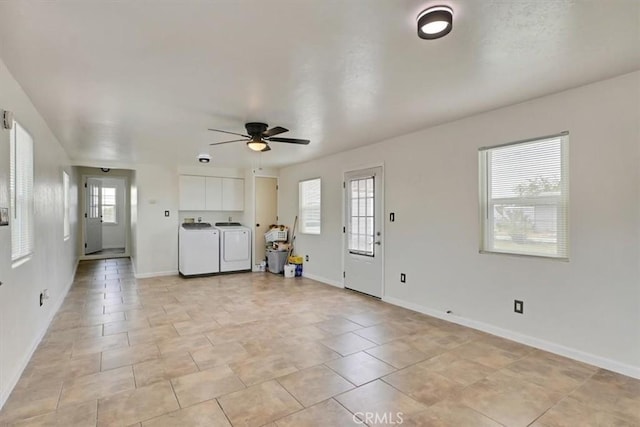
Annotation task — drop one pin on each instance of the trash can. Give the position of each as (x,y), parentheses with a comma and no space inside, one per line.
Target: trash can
(276,261)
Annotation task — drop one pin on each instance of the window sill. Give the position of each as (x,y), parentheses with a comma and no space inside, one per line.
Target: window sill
(554,258)
(22,260)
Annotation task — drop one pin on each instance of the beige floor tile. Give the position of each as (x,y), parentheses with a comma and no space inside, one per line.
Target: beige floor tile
(507,400)
(129,356)
(424,386)
(96,386)
(78,415)
(96,345)
(314,385)
(569,413)
(36,399)
(487,354)
(383,333)
(153,335)
(348,343)
(337,326)
(189,343)
(325,414)
(204,385)
(360,368)
(221,354)
(462,371)
(164,368)
(258,369)
(205,414)
(258,405)
(397,354)
(379,398)
(137,405)
(62,370)
(191,327)
(125,326)
(449,414)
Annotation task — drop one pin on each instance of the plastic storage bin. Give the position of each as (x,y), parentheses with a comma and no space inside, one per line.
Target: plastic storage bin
(276,260)
(276,235)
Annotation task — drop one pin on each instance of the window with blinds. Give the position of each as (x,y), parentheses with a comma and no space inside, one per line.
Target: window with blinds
(21,183)
(309,204)
(65,203)
(524,197)
(109,206)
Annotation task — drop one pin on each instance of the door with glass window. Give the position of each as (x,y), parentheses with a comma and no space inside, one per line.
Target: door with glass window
(93,215)
(363,231)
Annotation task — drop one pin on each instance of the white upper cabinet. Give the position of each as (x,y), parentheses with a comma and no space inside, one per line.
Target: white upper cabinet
(213,195)
(232,194)
(210,193)
(192,193)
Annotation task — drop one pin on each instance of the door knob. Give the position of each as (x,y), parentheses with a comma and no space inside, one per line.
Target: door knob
(378,242)
(257,225)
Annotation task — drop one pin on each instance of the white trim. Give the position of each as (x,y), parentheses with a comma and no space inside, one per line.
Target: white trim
(25,361)
(572,353)
(324,280)
(156,274)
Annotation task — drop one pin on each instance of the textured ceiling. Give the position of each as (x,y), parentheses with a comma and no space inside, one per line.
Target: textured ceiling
(123,82)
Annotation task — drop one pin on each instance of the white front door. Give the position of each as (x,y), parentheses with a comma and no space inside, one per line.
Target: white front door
(363,231)
(93,215)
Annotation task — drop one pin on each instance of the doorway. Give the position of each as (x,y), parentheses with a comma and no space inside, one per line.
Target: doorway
(106,216)
(363,254)
(266,202)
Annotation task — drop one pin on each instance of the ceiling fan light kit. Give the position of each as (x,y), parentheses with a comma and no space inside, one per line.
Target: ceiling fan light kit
(259,136)
(435,22)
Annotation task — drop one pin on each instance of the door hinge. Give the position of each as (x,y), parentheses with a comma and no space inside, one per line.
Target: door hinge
(85,215)
(344,274)
(344,229)
(277,187)
(85,185)
(344,185)
(85,246)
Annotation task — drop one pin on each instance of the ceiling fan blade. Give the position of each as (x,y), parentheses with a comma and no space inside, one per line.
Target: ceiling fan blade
(226,142)
(274,131)
(291,140)
(230,133)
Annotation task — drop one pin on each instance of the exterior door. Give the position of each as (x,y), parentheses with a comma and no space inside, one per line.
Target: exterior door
(93,216)
(266,212)
(363,231)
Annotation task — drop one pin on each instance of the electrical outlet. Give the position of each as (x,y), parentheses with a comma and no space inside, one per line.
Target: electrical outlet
(306,258)
(518,306)
(403,278)
(166,213)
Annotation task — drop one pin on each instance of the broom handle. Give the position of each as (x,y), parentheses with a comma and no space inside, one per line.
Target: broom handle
(293,238)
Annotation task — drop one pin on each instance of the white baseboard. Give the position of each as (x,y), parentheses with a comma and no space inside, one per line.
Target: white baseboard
(156,274)
(572,353)
(323,280)
(25,361)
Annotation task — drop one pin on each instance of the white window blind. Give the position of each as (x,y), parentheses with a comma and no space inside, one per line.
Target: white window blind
(65,202)
(524,197)
(21,183)
(109,205)
(309,204)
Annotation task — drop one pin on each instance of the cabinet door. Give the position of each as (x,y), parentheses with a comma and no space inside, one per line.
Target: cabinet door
(192,193)
(232,194)
(213,200)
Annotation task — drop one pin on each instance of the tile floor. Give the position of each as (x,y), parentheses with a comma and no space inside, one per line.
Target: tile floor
(256,349)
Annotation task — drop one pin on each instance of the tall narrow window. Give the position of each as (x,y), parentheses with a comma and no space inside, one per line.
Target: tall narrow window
(524,197)
(309,194)
(21,183)
(109,205)
(65,203)
(361,215)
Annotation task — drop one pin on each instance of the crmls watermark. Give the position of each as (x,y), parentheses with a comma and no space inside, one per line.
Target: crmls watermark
(388,418)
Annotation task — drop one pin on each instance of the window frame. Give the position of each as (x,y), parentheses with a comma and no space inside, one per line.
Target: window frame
(301,209)
(561,201)
(21,203)
(115,205)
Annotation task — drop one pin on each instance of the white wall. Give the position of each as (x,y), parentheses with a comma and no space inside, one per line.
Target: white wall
(587,308)
(22,321)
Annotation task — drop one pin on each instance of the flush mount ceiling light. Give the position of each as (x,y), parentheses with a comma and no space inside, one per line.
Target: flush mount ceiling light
(435,22)
(204,157)
(257,144)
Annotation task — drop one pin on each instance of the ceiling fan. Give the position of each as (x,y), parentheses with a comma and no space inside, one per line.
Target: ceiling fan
(258,137)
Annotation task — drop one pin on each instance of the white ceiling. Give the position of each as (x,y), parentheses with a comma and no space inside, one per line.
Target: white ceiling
(122,82)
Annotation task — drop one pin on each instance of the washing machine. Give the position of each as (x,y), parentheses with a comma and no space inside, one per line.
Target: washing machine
(235,247)
(198,249)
